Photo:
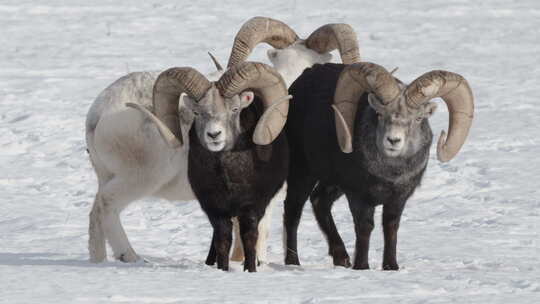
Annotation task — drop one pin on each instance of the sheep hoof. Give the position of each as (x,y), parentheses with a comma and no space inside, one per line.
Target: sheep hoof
(97,259)
(292,260)
(128,257)
(391,266)
(361,266)
(250,267)
(224,268)
(343,261)
(210,260)
(340,257)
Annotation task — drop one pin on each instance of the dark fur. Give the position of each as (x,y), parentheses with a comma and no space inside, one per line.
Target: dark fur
(240,182)
(367,177)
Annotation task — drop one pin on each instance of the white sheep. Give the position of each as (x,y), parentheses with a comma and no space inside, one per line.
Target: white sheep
(131,159)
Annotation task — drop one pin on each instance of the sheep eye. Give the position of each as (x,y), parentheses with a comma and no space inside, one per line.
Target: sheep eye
(195,113)
(234,110)
(419,119)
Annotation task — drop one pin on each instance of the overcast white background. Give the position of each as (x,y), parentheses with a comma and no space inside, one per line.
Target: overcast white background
(470,234)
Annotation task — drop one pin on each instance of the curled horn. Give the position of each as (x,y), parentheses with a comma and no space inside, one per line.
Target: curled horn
(457,94)
(335,36)
(355,80)
(267,84)
(257,30)
(168,87)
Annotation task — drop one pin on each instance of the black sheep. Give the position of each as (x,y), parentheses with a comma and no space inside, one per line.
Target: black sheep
(373,147)
(238,160)
(237,183)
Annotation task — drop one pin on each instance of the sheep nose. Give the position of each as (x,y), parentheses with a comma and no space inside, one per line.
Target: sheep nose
(393,141)
(213,135)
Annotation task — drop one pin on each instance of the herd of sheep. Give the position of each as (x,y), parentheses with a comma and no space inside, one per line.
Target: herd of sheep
(231,140)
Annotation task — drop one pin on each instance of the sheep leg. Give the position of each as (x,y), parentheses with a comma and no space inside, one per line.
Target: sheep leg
(264,231)
(322,200)
(391,218)
(117,236)
(363,225)
(298,189)
(117,195)
(238,251)
(249,223)
(222,240)
(211,258)
(264,226)
(96,237)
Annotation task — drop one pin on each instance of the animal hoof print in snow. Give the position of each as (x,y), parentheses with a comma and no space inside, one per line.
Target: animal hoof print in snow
(393,267)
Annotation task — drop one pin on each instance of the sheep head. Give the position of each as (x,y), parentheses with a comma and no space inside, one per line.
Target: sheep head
(291,55)
(399,127)
(402,109)
(293,60)
(216,118)
(216,106)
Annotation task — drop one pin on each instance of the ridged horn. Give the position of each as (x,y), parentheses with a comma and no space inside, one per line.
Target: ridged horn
(257,30)
(335,36)
(355,80)
(458,96)
(268,84)
(168,87)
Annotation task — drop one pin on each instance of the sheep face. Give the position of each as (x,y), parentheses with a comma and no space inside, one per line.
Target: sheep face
(217,119)
(293,60)
(398,126)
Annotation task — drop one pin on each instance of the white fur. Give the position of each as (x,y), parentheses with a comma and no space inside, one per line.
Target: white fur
(291,61)
(132,161)
(215,143)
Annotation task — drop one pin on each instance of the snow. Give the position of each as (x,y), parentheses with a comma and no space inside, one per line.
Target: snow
(469,234)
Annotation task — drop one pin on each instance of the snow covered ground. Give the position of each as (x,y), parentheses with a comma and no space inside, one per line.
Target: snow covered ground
(470,234)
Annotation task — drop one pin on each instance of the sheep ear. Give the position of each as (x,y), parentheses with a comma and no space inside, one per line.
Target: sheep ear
(185,111)
(246,98)
(188,102)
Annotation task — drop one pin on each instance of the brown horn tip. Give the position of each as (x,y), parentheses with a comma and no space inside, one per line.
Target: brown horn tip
(333,36)
(458,96)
